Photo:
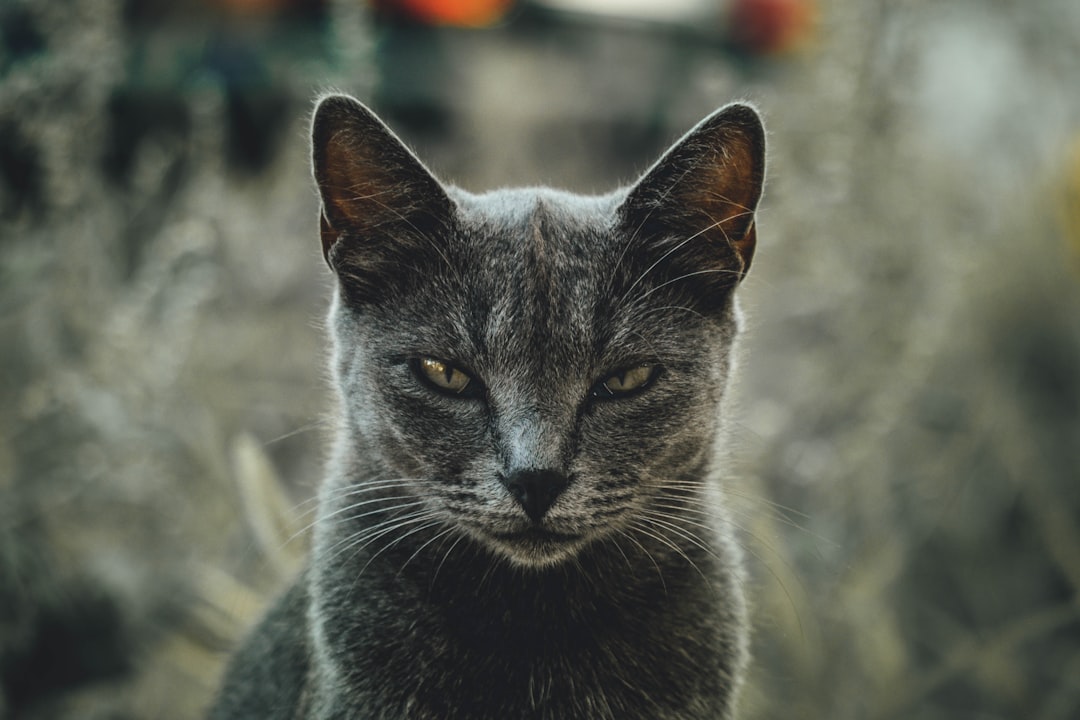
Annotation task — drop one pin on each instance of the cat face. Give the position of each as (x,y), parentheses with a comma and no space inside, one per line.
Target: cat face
(532,368)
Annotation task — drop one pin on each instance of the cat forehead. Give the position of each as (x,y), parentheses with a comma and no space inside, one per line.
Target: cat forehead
(536,265)
(524,210)
(547,241)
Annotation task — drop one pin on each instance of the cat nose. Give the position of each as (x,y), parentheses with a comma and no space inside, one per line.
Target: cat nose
(536,490)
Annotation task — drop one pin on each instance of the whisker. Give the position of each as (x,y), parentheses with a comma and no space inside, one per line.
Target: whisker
(368,540)
(414,502)
(671,516)
(350,518)
(787,509)
(314,425)
(427,523)
(353,540)
(727,489)
(347,490)
(367,486)
(708,506)
(655,518)
(649,555)
(656,534)
(393,498)
(435,537)
(761,562)
(461,536)
(618,547)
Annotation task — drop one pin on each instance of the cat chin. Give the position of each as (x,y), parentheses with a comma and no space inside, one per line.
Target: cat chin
(534,548)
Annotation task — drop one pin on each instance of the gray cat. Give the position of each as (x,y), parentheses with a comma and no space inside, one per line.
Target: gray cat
(521,517)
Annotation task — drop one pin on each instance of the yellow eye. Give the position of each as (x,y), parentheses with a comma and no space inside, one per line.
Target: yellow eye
(442,375)
(627,381)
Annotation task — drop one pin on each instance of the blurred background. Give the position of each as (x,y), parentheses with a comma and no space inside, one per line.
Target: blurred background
(906,446)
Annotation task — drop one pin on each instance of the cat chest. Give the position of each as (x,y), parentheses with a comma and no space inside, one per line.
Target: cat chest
(508,667)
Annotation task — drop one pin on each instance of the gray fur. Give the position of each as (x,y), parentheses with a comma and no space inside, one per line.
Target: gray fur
(430,593)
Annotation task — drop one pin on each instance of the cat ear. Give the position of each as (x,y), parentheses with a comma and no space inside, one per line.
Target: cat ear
(380,205)
(697,202)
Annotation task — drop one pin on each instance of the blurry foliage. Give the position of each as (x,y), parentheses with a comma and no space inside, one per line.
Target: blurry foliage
(907,438)
(159,305)
(913,401)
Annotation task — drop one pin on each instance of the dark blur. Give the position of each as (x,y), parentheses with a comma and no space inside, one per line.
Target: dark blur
(905,462)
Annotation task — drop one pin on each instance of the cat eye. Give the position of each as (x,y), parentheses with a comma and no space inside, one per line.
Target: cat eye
(626,382)
(443,376)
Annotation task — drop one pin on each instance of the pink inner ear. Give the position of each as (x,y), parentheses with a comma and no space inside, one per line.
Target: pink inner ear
(726,188)
(351,179)
(369,180)
(706,189)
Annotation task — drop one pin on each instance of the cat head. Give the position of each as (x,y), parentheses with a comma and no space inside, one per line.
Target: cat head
(531,368)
